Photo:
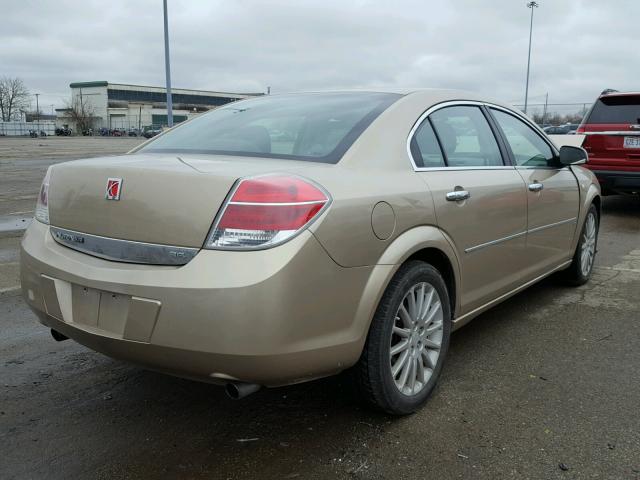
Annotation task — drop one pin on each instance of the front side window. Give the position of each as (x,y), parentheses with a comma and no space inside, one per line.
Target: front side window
(466,137)
(528,148)
(314,127)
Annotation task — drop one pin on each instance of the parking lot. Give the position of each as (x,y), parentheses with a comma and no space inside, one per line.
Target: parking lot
(546,385)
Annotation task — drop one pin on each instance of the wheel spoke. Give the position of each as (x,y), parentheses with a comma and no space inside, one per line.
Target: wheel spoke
(412,374)
(427,357)
(436,308)
(420,304)
(412,304)
(428,304)
(401,332)
(399,347)
(431,344)
(405,317)
(400,363)
(434,327)
(404,375)
(421,370)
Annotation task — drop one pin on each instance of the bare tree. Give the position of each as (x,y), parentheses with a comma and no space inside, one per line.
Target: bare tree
(14,96)
(81,113)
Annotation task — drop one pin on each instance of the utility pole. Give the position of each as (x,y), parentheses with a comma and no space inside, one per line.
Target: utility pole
(530,5)
(167,67)
(544,113)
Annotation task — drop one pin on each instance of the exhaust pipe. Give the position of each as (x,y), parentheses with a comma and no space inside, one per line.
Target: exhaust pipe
(238,390)
(57,336)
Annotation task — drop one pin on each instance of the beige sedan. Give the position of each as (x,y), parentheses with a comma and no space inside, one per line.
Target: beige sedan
(286,238)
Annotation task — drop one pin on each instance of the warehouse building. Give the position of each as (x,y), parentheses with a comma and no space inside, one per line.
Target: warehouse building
(130,107)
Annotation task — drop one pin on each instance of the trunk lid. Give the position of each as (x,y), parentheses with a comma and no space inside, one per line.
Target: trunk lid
(164,199)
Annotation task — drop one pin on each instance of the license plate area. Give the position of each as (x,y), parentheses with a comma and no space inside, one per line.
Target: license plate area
(632,142)
(99,311)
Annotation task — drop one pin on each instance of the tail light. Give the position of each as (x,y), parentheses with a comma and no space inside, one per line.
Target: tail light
(266,211)
(42,204)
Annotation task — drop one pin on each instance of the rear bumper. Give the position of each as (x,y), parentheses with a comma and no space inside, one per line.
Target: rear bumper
(612,181)
(271,317)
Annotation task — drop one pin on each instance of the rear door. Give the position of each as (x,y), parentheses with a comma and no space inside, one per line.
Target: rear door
(553,197)
(480,202)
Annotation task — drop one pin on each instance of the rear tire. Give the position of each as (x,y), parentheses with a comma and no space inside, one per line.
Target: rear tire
(407,341)
(579,272)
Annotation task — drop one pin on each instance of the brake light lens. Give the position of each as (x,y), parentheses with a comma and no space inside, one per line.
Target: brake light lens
(266,211)
(42,204)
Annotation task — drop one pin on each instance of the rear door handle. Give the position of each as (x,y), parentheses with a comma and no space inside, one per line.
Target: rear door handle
(458,195)
(536,187)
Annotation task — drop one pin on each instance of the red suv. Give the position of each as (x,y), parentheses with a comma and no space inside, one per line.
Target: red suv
(612,129)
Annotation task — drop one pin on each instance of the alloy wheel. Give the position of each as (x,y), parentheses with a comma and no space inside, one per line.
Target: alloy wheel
(588,249)
(416,338)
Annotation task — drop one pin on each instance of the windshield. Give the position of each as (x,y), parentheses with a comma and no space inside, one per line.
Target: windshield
(317,127)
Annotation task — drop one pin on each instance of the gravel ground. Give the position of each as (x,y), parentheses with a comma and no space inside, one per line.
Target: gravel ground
(546,385)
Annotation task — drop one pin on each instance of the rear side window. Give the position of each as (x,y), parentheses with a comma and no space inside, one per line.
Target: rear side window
(466,138)
(425,149)
(315,127)
(528,148)
(616,109)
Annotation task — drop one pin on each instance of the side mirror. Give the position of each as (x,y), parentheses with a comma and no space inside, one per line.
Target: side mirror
(573,155)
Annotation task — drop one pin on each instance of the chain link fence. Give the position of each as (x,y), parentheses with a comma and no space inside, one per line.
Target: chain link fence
(17,129)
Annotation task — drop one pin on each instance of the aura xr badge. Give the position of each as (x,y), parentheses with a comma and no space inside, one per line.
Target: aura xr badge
(114,188)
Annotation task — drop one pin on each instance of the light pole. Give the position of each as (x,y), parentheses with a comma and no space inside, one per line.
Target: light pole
(167,67)
(530,5)
(37,112)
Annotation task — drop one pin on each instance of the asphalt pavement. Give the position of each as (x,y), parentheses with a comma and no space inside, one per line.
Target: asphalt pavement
(544,386)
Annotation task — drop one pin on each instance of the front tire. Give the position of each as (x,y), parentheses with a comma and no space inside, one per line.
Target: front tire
(407,341)
(581,267)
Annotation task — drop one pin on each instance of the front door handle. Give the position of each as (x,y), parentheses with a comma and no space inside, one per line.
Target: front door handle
(458,195)
(536,186)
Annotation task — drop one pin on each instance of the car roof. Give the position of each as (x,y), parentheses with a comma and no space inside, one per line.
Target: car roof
(619,94)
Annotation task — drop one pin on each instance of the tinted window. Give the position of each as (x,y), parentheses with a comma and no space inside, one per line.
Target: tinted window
(466,138)
(616,109)
(317,127)
(424,147)
(527,146)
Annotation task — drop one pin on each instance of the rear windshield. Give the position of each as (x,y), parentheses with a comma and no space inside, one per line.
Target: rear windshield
(318,127)
(616,109)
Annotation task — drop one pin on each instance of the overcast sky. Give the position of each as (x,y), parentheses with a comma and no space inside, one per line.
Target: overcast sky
(580,47)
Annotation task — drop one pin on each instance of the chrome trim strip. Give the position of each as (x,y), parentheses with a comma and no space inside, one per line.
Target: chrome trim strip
(118,250)
(613,133)
(279,204)
(516,235)
(452,103)
(494,242)
(544,227)
(438,169)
